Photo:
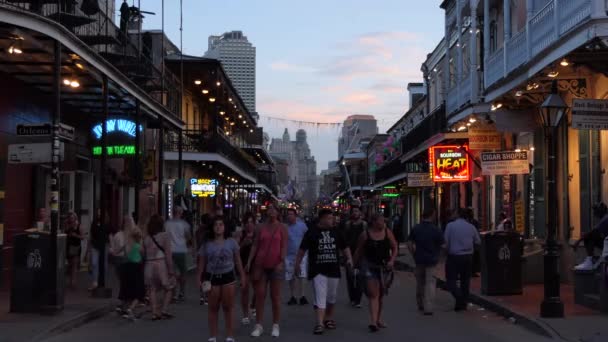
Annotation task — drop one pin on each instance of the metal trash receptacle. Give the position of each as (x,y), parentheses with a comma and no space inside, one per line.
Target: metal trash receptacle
(33,289)
(501,263)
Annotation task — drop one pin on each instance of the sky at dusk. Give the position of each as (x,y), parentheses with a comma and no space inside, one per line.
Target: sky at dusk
(318,61)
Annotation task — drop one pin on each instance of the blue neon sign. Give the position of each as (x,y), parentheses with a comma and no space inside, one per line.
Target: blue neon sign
(116,125)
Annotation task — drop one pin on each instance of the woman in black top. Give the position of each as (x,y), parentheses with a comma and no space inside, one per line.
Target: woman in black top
(74,238)
(245,241)
(375,255)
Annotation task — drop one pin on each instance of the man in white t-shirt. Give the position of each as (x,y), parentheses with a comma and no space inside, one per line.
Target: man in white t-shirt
(179,233)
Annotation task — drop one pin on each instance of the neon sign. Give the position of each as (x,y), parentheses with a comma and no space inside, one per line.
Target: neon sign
(449,163)
(203,187)
(116,150)
(390,191)
(116,126)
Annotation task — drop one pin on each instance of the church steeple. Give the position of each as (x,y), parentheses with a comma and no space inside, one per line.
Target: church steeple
(286,137)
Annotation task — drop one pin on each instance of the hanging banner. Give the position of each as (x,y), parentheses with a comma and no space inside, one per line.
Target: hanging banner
(450,163)
(485,138)
(589,114)
(504,163)
(419,180)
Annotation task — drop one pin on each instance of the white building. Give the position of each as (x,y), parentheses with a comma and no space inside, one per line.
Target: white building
(237,55)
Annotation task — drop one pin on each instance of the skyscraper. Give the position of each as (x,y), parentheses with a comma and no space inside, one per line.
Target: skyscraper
(237,55)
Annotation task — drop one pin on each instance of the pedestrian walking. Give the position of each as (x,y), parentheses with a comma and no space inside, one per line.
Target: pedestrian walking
(425,243)
(74,248)
(352,231)
(296,229)
(375,255)
(179,233)
(98,239)
(460,238)
(323,245)
(159,273)
(134,291)
(118,257)
(266,264)
(219,257)
(245,241)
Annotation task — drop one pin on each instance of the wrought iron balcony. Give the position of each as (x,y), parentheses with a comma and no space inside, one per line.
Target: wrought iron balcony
(131,53)
(197,141)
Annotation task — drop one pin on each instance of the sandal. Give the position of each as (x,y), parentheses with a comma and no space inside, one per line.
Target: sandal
(318,330)
(381,325)
(373,328)
(330,324)
(167,315)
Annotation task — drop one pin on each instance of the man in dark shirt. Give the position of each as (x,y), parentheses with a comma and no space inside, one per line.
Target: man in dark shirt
(323,244)
(424,243)
(595,238)
(352,231)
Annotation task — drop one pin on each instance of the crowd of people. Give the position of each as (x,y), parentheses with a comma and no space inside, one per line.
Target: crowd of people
(253,259)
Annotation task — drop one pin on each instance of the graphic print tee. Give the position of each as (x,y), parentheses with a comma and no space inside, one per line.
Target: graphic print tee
(323,246)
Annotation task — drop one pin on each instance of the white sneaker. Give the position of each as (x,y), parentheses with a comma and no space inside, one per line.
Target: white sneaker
(257,331)
(212,339)
(245,321)
(275,330)
(586,265)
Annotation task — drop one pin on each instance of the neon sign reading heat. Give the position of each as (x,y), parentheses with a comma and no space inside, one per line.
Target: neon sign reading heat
(116,125)
(449,163)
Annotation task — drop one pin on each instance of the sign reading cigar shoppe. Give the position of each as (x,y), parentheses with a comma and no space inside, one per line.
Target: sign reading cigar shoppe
(504,163)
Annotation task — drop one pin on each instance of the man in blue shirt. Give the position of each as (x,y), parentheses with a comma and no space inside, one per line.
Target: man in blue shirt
(425,243)
(461,238)
(296,229)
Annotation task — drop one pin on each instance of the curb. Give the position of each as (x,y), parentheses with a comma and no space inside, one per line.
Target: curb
(74,322)
(527,322)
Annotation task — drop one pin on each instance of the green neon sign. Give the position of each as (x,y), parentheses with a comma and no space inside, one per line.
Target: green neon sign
(115,150)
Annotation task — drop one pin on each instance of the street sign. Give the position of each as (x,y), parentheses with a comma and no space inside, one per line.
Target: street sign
(485,138)
(417,180)
(66,132)
(590,114)
(37,130)
(32,153)
(504,163)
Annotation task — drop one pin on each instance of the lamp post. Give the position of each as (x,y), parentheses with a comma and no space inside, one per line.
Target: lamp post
(551,110)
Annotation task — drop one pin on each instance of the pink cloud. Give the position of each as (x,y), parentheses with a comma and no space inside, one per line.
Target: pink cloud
(361,98)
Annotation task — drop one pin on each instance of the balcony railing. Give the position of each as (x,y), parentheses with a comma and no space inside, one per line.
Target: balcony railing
(129,53)
(210,142)
(544,29)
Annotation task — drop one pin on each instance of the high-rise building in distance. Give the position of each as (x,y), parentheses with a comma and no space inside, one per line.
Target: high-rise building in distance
(237,55)
(355,128)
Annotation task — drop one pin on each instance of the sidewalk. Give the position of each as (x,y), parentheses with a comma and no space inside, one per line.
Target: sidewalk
(79,309)
(579,324)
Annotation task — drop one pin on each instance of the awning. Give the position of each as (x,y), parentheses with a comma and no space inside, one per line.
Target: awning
(432,141)
(204,156)
(354,155)
(393,179)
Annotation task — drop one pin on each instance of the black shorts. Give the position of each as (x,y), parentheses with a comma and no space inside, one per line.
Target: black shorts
(220,279)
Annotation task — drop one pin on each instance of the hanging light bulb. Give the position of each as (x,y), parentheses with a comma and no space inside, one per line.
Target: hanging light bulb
(198,82)
(240,116)
(66,81)
(222,112)
(251,131)
(244,122)
(218,83)
(15,48)
(205,91)
(553,73)
(212,99)
(74,84)
(564,62)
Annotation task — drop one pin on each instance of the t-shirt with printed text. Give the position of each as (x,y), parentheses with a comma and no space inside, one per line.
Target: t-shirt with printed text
(323,246)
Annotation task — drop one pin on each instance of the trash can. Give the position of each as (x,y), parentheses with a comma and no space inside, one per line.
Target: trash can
(501,263)
(33,288)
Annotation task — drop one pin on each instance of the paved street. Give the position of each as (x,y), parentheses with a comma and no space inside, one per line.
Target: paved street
(405,323)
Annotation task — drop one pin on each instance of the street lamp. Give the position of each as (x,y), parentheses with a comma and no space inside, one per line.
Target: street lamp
(551,112)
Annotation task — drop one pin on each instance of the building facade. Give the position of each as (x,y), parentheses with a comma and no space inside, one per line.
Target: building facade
(237,55)
(355,128)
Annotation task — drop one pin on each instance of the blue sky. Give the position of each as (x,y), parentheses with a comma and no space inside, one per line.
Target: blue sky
(318,60)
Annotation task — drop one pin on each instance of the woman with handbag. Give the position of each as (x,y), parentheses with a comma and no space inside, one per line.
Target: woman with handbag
(159,267)
(218,258)
(269,251)
(74,239)
(376,254)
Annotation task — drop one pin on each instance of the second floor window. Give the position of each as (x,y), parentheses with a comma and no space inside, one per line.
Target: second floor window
(493,36)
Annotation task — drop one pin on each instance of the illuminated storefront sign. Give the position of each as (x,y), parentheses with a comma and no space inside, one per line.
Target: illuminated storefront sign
(116,150)
(449,163)
(390,191)
(124,126)
(203,187)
